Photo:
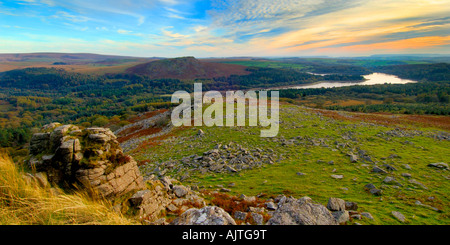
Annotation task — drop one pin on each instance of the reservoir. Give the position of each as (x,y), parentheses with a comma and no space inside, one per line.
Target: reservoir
(372,79)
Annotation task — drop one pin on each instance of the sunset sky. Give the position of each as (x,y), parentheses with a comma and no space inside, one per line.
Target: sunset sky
(225,28)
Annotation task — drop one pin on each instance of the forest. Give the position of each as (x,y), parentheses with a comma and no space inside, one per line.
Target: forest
(32,97)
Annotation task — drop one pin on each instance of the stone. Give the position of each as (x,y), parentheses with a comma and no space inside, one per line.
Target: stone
(210,215)
(389,180)
(301,212)
(341,217)
(351,206)
(367,215)
(376,192)
(336,204)
(138,198)
(379,170)
(257,218)
(180,191)
(415,182)
(407,175)
(439,165)
(238,215)
(353,158)
(271,206)
(399,216)
(335,176)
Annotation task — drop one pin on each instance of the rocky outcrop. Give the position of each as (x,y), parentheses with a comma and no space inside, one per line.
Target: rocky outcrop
(301,211)
(90,158)
(209,215)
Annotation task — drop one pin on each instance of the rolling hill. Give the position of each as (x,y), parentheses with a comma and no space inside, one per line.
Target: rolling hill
(186,68)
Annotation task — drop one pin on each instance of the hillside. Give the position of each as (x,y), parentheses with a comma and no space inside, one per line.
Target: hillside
(386,164)
(186,68)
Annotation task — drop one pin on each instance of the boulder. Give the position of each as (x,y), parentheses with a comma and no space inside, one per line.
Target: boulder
(341,217)
(439,165)
(301,212)
(336,204)
(399,216)
(180,191)
(210,215)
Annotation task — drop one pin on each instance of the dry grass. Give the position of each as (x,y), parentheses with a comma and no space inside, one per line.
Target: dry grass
(23,202)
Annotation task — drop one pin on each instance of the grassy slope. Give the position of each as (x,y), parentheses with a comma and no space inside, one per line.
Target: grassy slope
(281,178)
(25,202)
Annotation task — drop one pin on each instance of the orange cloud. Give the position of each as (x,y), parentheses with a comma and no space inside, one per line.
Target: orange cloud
(405,44)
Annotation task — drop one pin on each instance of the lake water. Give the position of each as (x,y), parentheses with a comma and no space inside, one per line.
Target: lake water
(372,79)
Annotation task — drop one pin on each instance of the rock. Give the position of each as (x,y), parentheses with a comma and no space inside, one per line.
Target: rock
(415,182)
(367,215)
(336,204)
(138,198)
(180,191)
(71,160)
(389,167)
(341,217)
(379,170)
(389,180)
(334,176)
(407,175)
(370,186)
(353,158)
(301,212)
(200,133)
(398,216)
(406,166)
(238,215)
(351,206)
(271,206)
(257,218)
(224,190)
(439,165)
(210,215)
(376,192)
(300,174)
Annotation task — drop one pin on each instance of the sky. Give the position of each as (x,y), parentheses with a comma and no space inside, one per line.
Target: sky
(226,28)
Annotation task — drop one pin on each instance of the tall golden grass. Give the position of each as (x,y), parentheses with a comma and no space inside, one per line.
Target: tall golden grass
(23,202)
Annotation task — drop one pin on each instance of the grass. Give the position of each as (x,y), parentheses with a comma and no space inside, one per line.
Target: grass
(281,178)
(24,202)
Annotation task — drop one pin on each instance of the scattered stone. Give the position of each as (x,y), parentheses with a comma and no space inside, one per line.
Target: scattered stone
(415,182)
(334,176)
(389,167)
(407,175)
(210,215)
(336,204)
(379,170)
(341,217)
(398,216)
(238,215)
(353,158)
(351,206)
(367,215)
(439,165)
(406,166)
(180,191)
(257,218)
(271,206)
(301,212)
(300,174)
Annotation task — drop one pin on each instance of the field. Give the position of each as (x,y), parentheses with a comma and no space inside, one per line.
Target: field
(312,146)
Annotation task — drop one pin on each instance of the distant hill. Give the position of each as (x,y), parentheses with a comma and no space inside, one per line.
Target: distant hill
(60,57)
(187,68)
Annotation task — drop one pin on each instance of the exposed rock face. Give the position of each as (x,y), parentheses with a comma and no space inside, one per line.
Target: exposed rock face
(209,215)
(90,157)
(301,211)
